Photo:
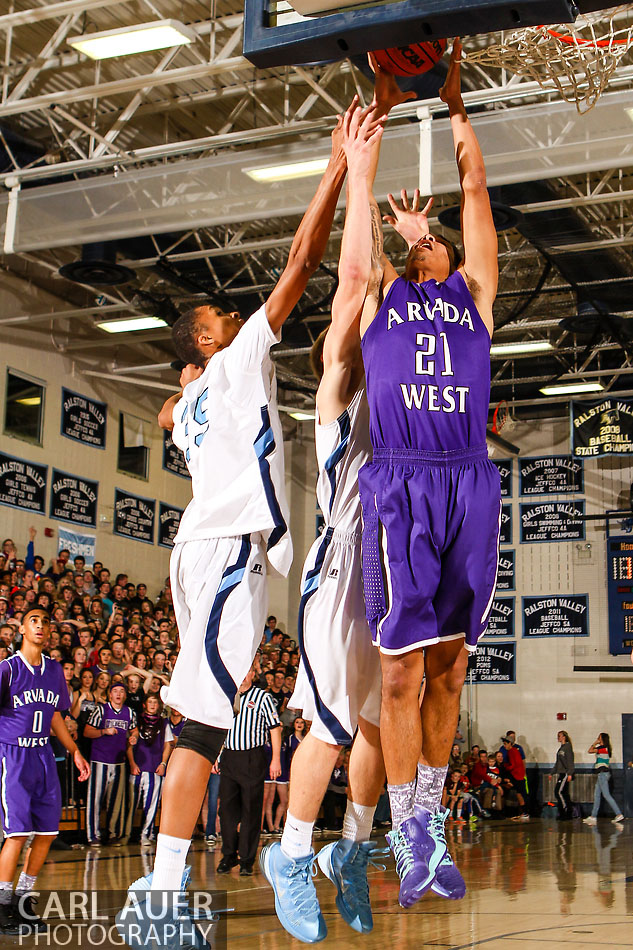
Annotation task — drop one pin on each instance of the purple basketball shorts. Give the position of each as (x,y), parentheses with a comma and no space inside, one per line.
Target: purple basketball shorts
(30,796)
(430,546)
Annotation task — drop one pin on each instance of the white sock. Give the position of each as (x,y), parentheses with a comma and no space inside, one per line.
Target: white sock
(296,841)
(358,821)
(26,883)
(171,854)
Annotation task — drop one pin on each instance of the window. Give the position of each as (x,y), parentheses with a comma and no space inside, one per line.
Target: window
(24,410)
(133,452)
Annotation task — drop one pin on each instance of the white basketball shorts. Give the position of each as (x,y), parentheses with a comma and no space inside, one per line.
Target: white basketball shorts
(339,672)
(220,597)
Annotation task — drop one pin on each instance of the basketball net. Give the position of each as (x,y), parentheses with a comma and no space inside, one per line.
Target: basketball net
(575,59)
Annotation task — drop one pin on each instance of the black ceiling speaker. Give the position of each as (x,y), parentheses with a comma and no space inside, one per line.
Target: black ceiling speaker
(97,266)
(505,218)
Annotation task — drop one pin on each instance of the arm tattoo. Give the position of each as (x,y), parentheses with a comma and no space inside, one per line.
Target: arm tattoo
(376,236)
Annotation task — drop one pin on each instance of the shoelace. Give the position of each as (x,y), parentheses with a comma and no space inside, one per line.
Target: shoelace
(356,870)
(402,854)
(299,875)
(436,826)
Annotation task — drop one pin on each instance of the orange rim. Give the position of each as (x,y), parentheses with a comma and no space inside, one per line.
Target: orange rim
(499,416)
(580,41)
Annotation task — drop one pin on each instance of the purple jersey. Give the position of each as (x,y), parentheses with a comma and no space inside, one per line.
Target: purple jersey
(427,363)
(148,751)
(111,749)
(29,698)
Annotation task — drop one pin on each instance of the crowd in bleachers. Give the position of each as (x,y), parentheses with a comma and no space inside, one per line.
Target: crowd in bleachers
(118,647)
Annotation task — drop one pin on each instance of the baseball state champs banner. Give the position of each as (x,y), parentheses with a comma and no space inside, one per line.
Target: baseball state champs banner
(604,427)
(556,615)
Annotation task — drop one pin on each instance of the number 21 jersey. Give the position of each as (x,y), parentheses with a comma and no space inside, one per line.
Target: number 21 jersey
(427,364)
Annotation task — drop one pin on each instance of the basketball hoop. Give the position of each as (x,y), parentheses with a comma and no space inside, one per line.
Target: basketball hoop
(500,416)
(576,59)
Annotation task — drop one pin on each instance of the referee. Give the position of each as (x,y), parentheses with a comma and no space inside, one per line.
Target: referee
(243,768)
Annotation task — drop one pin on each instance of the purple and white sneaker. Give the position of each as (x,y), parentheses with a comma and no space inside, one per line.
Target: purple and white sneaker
(418,847)
(448,881)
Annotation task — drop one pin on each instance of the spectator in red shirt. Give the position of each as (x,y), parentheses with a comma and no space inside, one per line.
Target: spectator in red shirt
(515,766)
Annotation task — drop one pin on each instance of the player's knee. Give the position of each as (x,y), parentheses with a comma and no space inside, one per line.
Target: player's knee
(399,681)
(206,741)
(449,678)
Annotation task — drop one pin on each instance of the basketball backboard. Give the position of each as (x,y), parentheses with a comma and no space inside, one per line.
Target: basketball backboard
(274,37)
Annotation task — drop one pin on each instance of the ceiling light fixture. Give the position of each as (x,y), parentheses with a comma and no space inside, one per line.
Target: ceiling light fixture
(129,324)
(563,389)
(301,416)
(126,40)
(315,166)
(527,346)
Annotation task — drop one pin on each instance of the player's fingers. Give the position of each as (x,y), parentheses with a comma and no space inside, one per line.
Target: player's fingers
(427,207)
(395,207)
(405,199)
(392,221)
(415,204)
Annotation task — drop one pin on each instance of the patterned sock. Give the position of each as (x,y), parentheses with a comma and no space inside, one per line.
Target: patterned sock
(358,821)
(401,800)
(26,884)
(171,854)
(428,792)
(6,892)
(296,841)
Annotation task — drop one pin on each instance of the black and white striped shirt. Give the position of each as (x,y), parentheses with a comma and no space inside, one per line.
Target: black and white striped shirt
(250,727)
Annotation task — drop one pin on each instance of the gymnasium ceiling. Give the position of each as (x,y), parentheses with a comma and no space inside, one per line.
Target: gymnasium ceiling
(65,118)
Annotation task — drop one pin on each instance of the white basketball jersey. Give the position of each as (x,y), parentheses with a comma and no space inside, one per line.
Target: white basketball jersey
(228,427)
(342,448)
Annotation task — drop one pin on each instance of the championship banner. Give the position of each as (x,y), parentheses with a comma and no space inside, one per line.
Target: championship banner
(173,458)
(493,663)
(22,484)
(504,467)
(604,427)
(134,516)
(556,615)
(74,499)
(168,521)
(505,570)
(78,544)
(501,619)
(83,419)
(505,535)
(552,521)
(550,475)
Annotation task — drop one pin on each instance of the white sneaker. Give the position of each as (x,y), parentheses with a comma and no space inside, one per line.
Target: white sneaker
(590,820)
(617,819)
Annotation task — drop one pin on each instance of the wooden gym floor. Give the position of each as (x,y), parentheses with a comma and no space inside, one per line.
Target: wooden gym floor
(539,884)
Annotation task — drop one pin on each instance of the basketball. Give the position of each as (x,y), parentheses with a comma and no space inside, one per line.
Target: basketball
(411,60)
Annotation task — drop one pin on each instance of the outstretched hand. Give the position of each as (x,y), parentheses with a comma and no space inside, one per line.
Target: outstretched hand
(452,88)
(410,223)
(361,131)
(387,92)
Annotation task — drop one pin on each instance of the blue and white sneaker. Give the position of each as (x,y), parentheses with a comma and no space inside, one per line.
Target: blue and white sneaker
(418,847)
(296,902)
(345,864)
(158,925)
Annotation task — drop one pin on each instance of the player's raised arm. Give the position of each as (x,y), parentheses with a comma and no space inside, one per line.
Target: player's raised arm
(311,238)
(480,266)
(387,94)
(360,140)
